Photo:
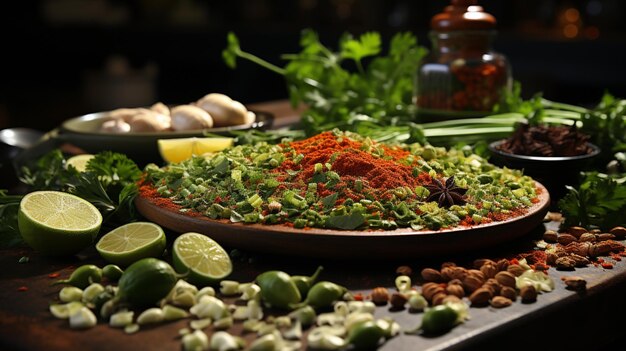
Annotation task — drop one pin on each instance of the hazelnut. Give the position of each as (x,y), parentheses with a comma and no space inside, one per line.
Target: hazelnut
(574,282)
(500,302)
(456,290)
(508,292)
(404,270)
(380,296)
(431,275)
(515,269)
(528,294)
(605,236)
(587,237)
(480,297)
(502,264)
(550,236)
(506,279)
(565,239)
(398,301)
(619,232)
(576,231)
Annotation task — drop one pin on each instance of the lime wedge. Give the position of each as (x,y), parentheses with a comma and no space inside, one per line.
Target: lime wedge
(79,161)
(180,149)
(57,223)
(131,242)
(205,260)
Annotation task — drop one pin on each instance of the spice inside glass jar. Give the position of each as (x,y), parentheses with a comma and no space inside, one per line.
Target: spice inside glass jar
(462,73)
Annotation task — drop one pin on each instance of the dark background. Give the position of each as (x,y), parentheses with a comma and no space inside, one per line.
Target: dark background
(63,58)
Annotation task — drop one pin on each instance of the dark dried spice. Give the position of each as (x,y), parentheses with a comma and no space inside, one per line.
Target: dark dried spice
(445,193)
(546,141)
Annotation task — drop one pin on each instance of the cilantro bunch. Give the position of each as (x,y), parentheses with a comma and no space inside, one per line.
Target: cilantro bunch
(357,88)
(109,183)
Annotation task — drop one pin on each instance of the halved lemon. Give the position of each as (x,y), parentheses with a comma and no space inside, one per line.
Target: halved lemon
(180,149)
(79,161)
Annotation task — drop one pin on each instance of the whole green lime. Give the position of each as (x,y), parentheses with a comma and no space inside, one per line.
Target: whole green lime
(146,281)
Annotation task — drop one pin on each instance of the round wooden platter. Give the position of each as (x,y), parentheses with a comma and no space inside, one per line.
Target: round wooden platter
(403,243)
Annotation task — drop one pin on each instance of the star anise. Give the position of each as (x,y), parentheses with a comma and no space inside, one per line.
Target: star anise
(446,194)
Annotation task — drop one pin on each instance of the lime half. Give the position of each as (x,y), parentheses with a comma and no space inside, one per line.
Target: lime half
(132,242)
(205,260)
(57,223)
(79,161)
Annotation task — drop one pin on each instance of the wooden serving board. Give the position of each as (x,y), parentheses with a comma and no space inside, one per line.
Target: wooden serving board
(349,244)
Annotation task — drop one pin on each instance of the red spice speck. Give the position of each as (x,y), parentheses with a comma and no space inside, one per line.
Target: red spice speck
(22,288)
(513,261)
(607,265)
(358,297)
(54,275)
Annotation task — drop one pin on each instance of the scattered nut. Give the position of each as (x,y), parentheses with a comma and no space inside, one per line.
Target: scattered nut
(481,261)
(448,264)
(380,295)
(587,237)
(515,269)
(595,231)
(605,236)
(456,290)
(565,263)
(508,292)
(471,283)
(551,258)
(398,301)
(489,270)
(451,298)
(431,275)
(528,294)
(480,297)
(619,232)
(550,236)
(493,284)
(576,231)
(430,289)
(438,298)
(575,283)
(458,273)
(565,239)
(506,279)
(478,274)
(599,249)
(577,248)
(580,261)
(404,270)
(502,264)
(500,302)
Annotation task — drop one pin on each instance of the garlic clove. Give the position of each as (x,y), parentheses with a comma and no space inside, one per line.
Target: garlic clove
(189,117)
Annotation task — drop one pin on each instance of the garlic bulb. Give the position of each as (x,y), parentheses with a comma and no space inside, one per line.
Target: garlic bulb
(224,110)
(189,117)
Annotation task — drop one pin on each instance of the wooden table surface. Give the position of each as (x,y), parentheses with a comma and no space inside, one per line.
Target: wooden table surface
(559,320)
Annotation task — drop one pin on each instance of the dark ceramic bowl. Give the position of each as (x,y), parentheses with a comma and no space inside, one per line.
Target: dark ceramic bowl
(553,172)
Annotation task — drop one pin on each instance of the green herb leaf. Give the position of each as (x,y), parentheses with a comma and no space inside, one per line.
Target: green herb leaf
(232,49)
(367,45)
(346,222)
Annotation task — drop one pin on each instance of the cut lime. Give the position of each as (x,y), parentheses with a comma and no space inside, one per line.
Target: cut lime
(57,223)
(205,260)
(180,149)
(79,161)
(132,242)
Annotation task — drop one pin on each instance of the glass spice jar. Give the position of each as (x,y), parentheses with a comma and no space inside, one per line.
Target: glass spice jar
(461,76)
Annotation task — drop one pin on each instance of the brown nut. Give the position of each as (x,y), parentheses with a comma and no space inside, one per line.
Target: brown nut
(580,261)
(565,263)
(508,292)
(458,273)
(515,269)
(380,295)
(471,283)
(456,290)
(619,232)
(480,297)
(574,283)
(595,231)
(431,289)
(587,237)
(451,298)
(455,282)
(565,239)
(438,298)
(579,248)
(480,262)
(478,274)
(500,302)
(398,301)
(576,231)
(551,258)
(550,236)
(555,216)
(404,270)
(528,294)
(448,264)
(493,283)
(599,249)
(431,275)
(489,270)
(605,236)
(506,279)
(502,264)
